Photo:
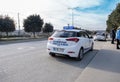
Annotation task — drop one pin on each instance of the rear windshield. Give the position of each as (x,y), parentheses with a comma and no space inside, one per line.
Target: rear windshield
(64,34)
(102,34)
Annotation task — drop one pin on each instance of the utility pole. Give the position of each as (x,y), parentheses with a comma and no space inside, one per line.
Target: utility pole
(72,18)
(18,24)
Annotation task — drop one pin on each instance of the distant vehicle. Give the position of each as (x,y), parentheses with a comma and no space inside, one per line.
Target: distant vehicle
(100,36)
(70,42)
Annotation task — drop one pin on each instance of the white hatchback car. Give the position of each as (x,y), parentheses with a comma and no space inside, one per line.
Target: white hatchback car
(73,43)
(100,36)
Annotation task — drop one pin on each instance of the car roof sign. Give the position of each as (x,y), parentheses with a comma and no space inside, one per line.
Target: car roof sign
(68,27)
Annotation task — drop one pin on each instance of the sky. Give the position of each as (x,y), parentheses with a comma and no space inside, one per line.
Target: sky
(87,14)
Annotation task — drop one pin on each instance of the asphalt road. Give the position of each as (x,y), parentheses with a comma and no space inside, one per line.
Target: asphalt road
(30,62)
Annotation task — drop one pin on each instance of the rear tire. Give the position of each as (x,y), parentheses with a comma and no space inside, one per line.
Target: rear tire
(80,55)
(52,54)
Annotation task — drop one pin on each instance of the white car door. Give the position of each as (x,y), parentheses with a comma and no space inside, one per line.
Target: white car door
(87,40)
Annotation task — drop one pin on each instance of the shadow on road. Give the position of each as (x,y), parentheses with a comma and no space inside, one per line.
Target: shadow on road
(80,64)
(107,60)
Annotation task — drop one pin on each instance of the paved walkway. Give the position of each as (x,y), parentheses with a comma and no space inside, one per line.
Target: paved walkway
(105,67)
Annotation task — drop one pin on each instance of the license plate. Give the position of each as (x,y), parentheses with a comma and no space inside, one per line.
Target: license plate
(58,49)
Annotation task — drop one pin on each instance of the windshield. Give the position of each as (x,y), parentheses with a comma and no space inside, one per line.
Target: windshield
(64,34)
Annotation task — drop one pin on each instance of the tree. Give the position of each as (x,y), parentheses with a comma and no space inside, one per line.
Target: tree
(114,19)
(7,24)
(33,24)
(48,28)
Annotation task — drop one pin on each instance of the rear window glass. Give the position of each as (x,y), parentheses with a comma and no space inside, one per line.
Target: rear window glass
(64,34)
(102,34)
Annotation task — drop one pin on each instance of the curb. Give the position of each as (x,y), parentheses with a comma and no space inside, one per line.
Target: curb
(21,40)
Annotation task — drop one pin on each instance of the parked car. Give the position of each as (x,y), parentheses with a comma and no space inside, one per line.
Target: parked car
(70,42)
(100,36)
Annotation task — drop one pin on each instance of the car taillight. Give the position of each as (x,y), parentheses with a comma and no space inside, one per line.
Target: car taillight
(50,38)
(73,39)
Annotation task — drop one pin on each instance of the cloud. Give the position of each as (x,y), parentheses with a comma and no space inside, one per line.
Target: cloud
(81,3)
(91,21)
(81,19)
(87,13)
(92,14)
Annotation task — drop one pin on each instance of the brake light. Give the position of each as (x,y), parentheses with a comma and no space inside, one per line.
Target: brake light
(73,39)
(50,38)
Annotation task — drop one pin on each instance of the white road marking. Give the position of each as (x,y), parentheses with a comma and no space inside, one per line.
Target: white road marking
(21,48)
(32,47)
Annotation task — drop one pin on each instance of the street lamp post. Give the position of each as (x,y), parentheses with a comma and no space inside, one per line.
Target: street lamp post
(72,16)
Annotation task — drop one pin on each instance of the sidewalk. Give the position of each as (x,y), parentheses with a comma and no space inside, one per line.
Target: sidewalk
(22,40)
(105,67)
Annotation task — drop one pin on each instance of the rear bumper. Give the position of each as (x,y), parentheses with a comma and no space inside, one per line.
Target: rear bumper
(71,51)
(100,38)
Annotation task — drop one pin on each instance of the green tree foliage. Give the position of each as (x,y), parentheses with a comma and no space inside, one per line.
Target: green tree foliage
(114,19)
(7,24)
(48,28)
(33,24)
